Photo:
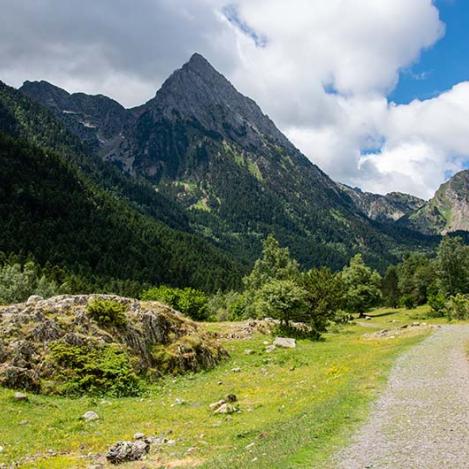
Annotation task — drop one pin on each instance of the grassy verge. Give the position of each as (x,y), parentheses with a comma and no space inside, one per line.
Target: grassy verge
(297,406)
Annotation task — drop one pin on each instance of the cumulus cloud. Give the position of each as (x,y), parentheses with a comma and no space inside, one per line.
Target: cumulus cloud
(321,70)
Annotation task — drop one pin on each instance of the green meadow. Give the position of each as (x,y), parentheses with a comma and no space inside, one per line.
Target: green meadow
(296,406)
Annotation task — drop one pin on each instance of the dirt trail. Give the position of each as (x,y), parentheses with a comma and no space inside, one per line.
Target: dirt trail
(422,418)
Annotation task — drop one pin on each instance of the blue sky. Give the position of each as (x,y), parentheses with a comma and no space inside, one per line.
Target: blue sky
(443,65)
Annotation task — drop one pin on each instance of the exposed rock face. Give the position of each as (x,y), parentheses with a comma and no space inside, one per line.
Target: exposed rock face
(156,338)
(215,103)
(98,120)
(384,208)
(447,211)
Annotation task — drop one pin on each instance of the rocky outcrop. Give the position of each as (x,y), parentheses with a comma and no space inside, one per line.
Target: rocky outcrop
(447,211)
(98,121)
(44,343)
(384,208)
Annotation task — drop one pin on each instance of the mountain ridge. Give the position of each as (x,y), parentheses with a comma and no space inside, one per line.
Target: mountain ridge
(447,211)
(213,151)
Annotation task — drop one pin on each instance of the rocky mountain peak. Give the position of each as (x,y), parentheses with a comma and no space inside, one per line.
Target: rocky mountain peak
(46,93)
(96,120)
(198,92)
(447,211)
(200,64)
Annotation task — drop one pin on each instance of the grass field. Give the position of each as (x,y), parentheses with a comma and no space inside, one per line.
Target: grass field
(297,406)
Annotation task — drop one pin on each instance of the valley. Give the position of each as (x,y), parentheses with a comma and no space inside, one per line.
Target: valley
(180,286)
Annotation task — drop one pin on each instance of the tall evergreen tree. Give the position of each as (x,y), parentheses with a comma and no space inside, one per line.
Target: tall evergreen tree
(390,287)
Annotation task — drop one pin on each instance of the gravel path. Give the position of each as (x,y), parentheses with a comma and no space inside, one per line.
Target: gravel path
(422,418)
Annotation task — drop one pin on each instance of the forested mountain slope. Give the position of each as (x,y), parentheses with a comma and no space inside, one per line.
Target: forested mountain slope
(211,150)
(51,206)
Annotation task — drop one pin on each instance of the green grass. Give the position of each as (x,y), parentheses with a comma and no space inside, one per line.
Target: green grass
(297,406)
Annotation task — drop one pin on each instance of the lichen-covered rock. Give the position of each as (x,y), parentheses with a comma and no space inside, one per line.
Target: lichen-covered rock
(124,451)
(15,377)
(57,346)
(90,416)
(284,342)
(226,409)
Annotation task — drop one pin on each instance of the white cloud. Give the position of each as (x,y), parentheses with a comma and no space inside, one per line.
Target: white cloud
(354,49)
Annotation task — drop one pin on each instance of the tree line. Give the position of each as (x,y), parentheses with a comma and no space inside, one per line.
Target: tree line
(276,287)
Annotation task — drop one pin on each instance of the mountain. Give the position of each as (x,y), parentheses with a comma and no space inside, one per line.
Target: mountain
(214,153)
(69,209)
(447,211)
(98,121)
(384,208)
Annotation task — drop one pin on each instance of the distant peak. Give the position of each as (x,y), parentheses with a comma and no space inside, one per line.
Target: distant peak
(198,63)
(42,84)
(35,89)
(196,57)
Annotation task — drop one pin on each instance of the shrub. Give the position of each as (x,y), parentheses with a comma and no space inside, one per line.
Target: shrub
(437,301)
(164,294)
(193,303)
(231,306)
(189,301)
(342,317)
(95,370)
(408,301)
(457,307)
(107,312)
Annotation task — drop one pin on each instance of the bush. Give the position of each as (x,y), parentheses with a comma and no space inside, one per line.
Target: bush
(437,301)
(342,317)
(95,370)
(408,301)
(107,312)
(189,301)
(193,303)
(457,307)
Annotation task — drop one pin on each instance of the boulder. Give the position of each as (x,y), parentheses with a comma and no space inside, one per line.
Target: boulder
(16,377)
(124,451)
(226,409)
(216,405)
(90,416)
(19,396)
(285,342)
